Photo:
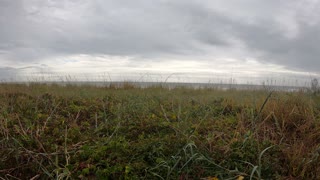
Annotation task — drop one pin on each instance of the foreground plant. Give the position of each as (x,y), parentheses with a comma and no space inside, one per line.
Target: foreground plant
(54,132)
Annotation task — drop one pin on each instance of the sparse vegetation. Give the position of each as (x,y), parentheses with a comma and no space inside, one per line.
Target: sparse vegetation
(49,131)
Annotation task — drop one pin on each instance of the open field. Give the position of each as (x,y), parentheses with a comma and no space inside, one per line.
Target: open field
(55,132)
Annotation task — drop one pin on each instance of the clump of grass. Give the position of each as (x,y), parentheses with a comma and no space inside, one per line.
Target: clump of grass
(50,131)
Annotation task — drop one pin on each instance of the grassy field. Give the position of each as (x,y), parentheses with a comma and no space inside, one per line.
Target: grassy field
(54,132)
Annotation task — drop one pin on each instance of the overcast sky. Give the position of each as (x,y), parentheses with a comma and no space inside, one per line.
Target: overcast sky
(189,39)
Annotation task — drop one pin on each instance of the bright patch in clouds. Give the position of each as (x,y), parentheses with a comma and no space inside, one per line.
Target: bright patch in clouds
(116,68)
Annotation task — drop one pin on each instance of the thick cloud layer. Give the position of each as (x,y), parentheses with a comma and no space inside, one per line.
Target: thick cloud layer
(284,33)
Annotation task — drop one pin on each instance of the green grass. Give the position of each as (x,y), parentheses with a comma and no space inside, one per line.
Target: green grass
(54,132)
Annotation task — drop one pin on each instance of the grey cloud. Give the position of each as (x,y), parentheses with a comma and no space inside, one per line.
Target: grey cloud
(110,27)
(7,73)
(34,30)
(300,53)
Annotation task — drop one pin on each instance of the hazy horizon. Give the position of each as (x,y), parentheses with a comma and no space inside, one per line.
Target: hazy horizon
(174,78)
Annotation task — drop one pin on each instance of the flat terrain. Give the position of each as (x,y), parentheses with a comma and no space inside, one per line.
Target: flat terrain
(86,132)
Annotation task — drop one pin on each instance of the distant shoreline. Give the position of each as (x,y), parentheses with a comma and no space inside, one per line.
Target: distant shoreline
(170,85)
